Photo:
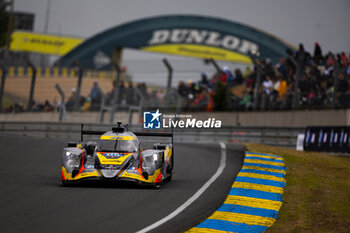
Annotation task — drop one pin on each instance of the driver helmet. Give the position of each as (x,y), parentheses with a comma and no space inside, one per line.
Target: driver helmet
(90,148)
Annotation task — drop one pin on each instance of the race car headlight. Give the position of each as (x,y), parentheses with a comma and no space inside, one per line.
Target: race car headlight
(150,161)
(155,157)
(71,158)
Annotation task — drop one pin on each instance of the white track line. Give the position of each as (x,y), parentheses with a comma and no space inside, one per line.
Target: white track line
(195,196)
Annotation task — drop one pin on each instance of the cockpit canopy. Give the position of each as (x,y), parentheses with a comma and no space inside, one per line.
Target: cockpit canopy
(126,146)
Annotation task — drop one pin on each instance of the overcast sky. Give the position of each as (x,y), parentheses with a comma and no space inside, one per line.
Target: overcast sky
(295,21)
(306,21)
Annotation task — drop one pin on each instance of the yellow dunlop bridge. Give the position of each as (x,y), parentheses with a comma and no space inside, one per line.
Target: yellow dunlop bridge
(254,199)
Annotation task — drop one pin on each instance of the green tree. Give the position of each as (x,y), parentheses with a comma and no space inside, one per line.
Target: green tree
(4,21)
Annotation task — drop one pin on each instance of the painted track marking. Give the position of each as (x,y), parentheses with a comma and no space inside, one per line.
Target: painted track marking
(254,200)
(195,196)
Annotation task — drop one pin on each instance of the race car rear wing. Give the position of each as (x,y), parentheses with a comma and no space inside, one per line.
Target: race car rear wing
(115,128)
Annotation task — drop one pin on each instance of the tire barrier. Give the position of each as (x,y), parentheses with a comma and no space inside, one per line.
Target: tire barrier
(327,139)
(254,199)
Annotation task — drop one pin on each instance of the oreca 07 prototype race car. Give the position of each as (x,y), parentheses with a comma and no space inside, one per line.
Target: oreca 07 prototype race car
(118,155)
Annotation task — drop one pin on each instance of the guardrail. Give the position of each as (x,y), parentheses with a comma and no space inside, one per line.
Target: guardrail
(276,136)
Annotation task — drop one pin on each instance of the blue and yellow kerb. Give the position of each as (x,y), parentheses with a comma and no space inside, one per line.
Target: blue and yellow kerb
(254,199)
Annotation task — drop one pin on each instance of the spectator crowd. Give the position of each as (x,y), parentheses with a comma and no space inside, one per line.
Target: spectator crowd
(126,96)
(298,81)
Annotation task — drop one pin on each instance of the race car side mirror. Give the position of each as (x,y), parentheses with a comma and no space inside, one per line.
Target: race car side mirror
(145,175)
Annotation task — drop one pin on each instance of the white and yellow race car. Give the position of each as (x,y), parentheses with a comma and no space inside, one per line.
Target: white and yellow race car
(118,155)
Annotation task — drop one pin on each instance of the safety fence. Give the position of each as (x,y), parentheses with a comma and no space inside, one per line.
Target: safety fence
(276,136)
(78,102)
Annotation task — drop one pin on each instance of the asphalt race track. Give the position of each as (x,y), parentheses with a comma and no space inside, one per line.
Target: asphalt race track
(32,200)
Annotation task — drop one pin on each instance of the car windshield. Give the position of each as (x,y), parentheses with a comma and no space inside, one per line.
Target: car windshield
(117,146)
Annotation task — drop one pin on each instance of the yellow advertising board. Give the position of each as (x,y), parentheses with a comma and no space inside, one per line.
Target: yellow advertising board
(200,51)
(42,43)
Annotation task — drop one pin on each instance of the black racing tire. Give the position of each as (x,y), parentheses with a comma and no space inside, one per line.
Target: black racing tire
(65,183)
(169,169)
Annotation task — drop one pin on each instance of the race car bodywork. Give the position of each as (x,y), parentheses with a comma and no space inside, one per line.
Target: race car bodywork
(118,155)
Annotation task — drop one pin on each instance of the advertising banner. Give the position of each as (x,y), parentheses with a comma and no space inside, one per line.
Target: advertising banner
(327,139)
(42,43)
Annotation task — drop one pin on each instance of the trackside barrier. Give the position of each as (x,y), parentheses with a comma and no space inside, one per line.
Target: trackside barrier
(276,136)
(327,139)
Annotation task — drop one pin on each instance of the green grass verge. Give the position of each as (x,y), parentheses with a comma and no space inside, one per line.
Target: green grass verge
(317,194)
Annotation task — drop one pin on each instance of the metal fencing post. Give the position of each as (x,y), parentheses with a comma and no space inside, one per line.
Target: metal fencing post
(103,96)
(3,78)
(136,108)
(62,108)
(80,77)
(258,81)
(170,75)
(296,82)
(217,67)
(102,109)
(102,104)
(32,86)
(335,79)
(168,94)
(178,102)
(116,92)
